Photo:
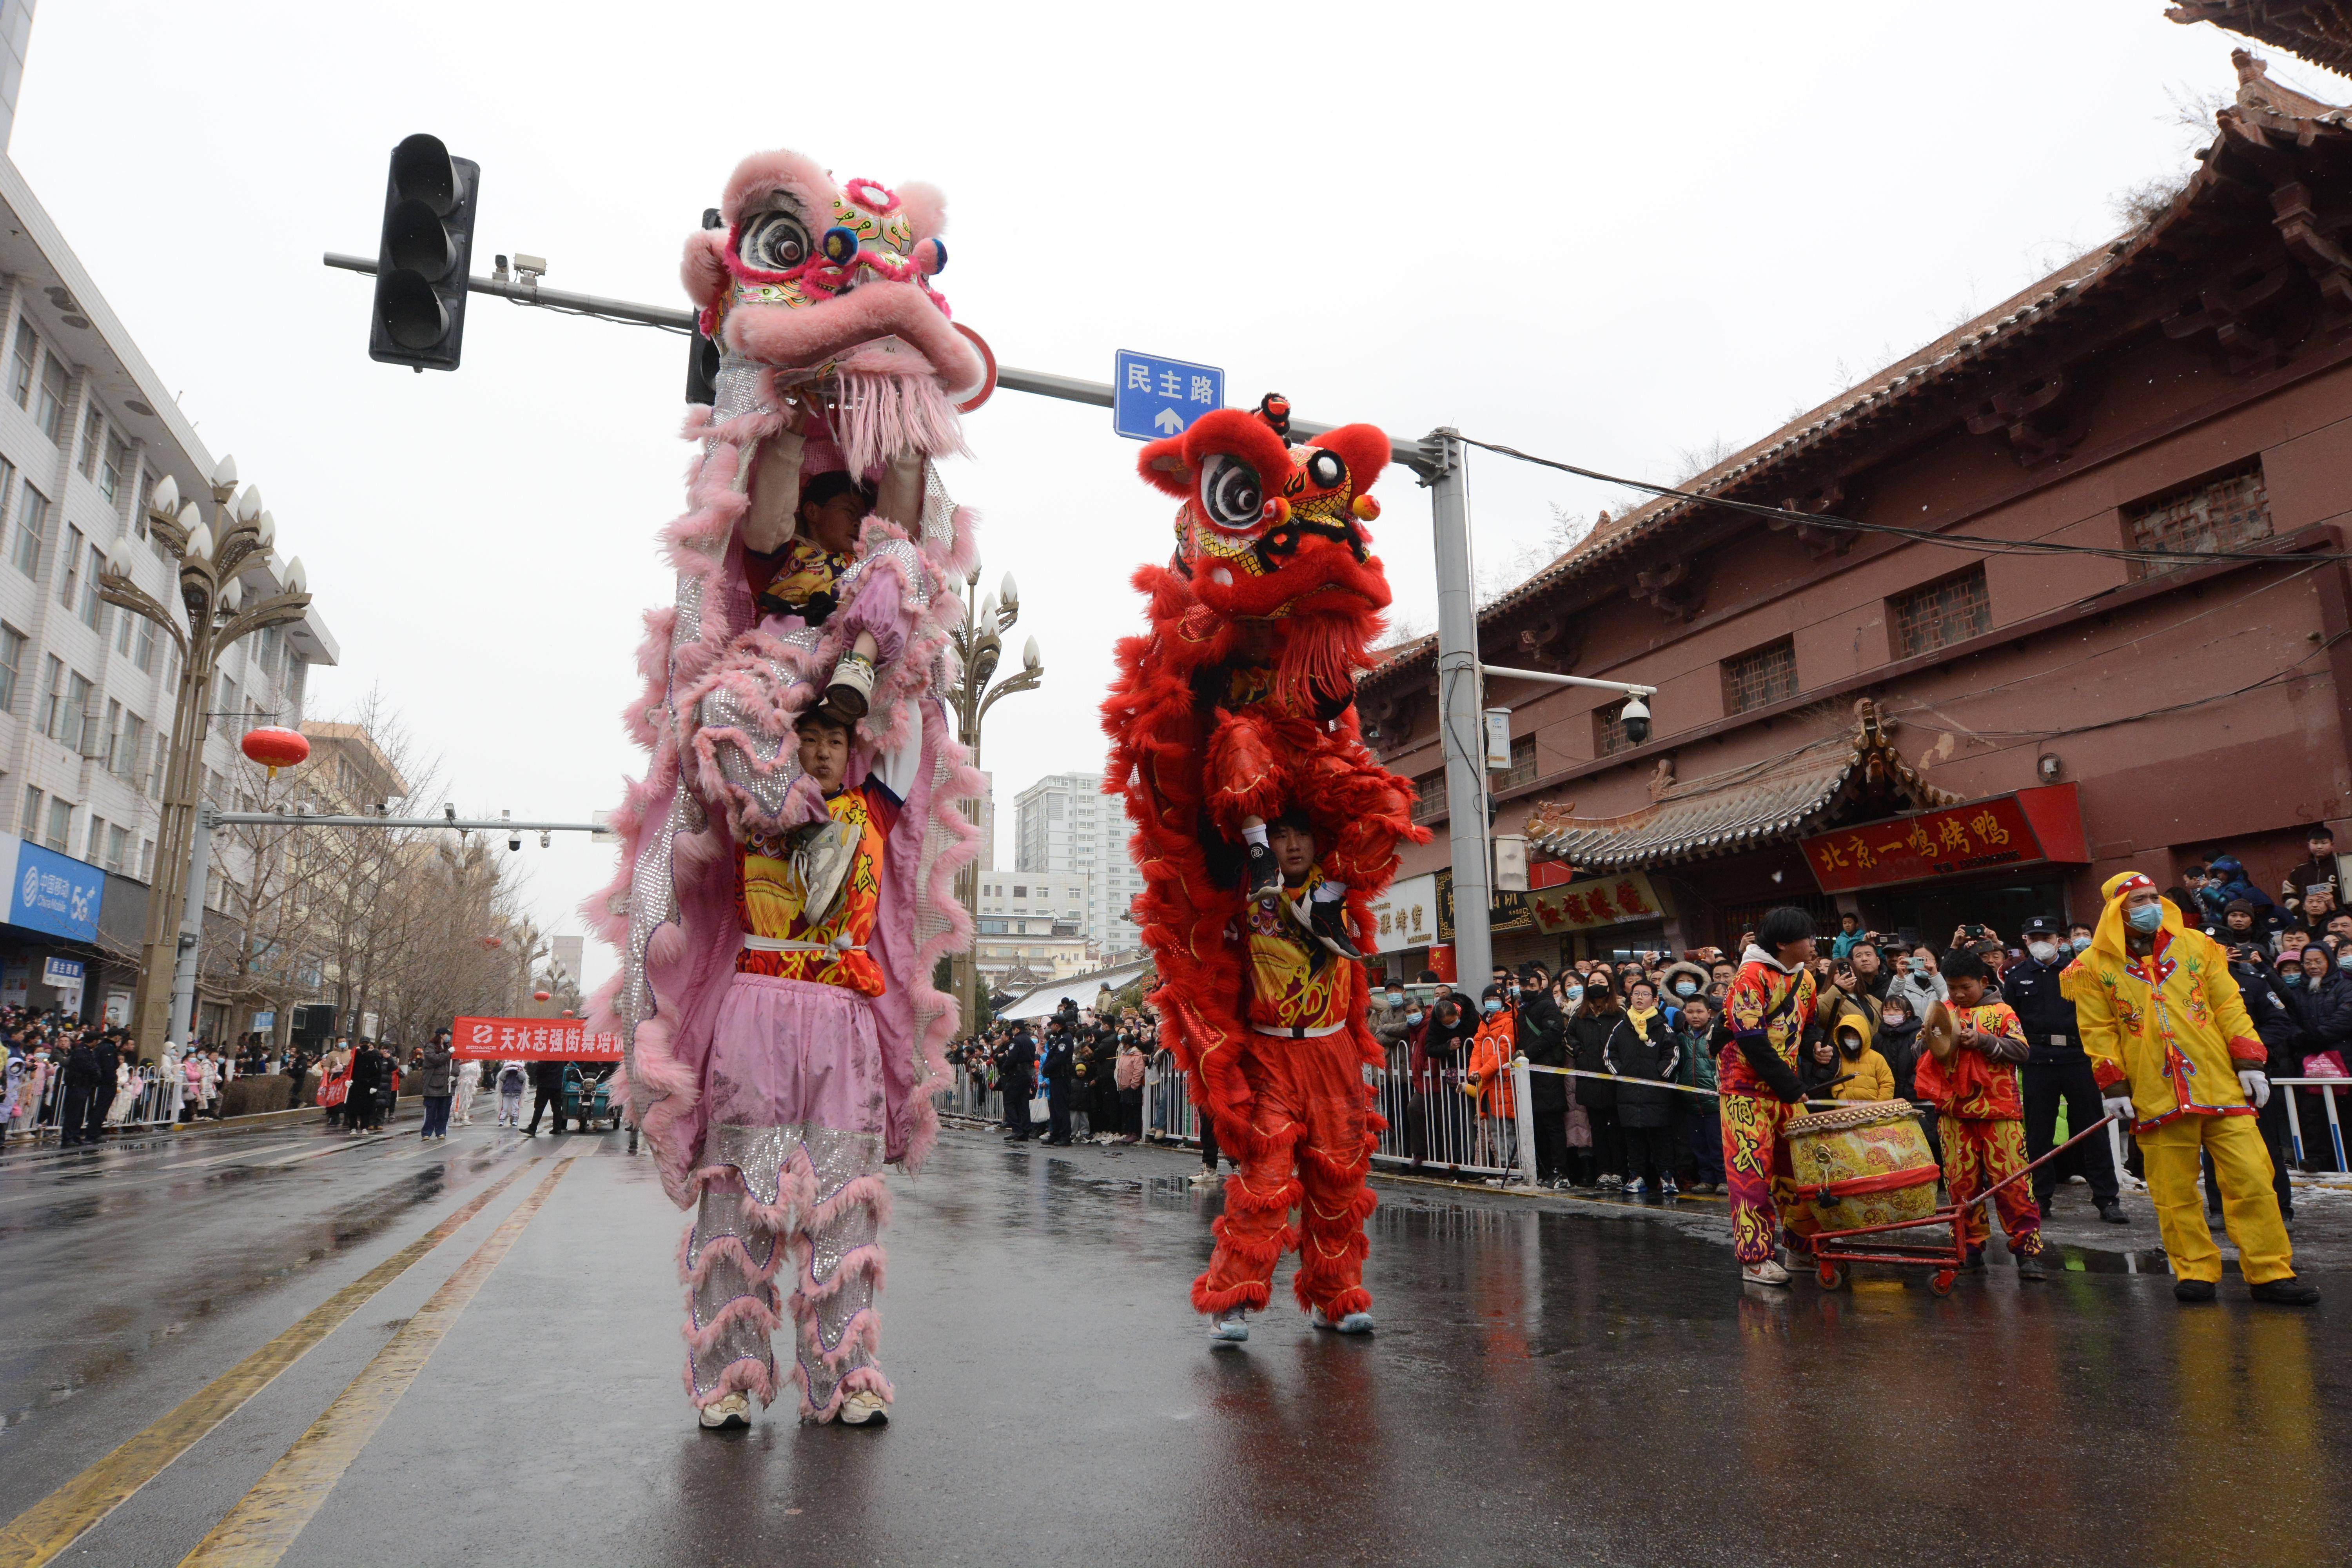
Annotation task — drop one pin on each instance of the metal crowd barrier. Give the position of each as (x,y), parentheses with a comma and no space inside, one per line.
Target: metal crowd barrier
(1433,1125)
(152,1107)
(2328,1089)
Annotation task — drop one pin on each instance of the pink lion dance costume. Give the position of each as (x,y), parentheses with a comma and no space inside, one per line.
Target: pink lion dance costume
(784,1040)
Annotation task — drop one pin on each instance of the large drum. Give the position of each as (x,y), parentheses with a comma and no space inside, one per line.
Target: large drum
(1861,1164)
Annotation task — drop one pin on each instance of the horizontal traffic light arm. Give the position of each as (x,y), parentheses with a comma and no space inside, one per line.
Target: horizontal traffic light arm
(553,299)
(1415,455)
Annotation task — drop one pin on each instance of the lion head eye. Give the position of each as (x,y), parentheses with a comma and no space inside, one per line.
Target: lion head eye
(774,242)
(1231,493)
(1324,472)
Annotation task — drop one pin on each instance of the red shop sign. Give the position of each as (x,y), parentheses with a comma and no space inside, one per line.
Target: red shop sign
(2029,827)
(532,1040)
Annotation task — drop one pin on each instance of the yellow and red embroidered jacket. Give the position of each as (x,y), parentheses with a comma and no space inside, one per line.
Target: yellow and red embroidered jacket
(1297,988)
(2170,1022)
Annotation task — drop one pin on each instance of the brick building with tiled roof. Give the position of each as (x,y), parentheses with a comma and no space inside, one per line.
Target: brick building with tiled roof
(2185,387)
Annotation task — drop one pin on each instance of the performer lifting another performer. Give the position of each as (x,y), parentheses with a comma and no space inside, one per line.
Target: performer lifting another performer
(786,887)
(2178,1060)
(1264,827)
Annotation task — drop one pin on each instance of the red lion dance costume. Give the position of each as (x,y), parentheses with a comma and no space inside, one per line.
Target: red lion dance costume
(778,932)
(1238,705)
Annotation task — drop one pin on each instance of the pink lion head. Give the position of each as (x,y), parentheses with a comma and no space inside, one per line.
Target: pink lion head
(810,271)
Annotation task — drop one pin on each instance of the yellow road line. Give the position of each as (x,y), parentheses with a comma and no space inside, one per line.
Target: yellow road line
(281,1505)
(50,1526)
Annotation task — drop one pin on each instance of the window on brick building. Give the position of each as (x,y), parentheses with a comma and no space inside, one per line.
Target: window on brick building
(1940,614)
(1429,797)
(1609,731)
(2226,511)
(1523,764)
(1761,677)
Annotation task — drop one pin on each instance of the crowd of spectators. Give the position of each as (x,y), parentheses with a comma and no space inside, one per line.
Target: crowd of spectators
(1082,1068)
(1642,1022)
(81,1079)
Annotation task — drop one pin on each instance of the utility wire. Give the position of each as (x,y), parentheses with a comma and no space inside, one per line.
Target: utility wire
(1977,543)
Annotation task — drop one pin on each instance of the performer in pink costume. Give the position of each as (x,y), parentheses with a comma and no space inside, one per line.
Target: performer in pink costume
(788,861)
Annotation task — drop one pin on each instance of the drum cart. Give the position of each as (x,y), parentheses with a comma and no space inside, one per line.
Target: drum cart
(1834,1251)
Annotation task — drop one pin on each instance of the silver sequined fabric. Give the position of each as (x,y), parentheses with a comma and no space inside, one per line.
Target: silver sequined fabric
(760,1155)
(721,1214)
(759,765)
(740,389)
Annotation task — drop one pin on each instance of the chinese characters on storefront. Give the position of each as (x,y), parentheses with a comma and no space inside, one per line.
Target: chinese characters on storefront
(1405,916)
(2006,830)
(1602,901)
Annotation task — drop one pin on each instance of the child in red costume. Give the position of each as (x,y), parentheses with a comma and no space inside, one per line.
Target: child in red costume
(1969,1075)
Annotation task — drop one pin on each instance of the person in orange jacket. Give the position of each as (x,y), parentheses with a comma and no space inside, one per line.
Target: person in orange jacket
(1491,1050)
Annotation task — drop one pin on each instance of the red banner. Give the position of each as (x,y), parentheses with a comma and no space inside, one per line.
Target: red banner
(2006,830)
(532,1040)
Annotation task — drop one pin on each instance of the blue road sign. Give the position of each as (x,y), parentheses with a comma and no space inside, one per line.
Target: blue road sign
(1157,397)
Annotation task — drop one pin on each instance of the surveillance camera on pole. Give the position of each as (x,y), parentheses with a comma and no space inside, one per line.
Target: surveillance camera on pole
(423,255)
(1636,715)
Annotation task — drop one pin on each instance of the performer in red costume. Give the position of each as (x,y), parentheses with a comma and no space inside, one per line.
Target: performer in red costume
(1769,1007)
(1264,827)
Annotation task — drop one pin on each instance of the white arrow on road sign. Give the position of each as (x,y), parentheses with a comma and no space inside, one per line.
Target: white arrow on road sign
(1153,399)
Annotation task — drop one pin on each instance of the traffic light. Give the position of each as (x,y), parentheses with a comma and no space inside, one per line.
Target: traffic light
(702,362)
(422,259)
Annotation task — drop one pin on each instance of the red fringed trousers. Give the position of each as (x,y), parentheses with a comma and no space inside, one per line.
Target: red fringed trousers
(1314,1132)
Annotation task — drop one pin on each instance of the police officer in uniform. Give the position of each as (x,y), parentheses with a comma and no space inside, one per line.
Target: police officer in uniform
(2058,1069)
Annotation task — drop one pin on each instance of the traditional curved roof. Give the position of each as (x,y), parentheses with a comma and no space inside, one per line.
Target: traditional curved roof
(1856,775)
(2271,136)
(2319,31)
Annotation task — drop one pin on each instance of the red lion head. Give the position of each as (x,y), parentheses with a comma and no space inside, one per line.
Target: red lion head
(1269,531)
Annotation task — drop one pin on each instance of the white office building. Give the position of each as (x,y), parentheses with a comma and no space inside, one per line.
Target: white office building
(1031,926)
(1064,823)
(88,429)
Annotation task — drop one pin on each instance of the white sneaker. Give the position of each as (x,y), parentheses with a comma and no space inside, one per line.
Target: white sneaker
(1230,1329)
(864,1408)
(1203,1177)
(1639,1187)
(1611,1182)
(731,1414)
(1765,1273)
(1349,1324)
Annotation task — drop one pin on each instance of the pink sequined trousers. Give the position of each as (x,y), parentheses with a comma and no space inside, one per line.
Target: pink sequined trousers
(790,1172)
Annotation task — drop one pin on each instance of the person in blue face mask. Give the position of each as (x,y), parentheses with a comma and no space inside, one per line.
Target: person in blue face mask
(2056,1070)
(2178,1058)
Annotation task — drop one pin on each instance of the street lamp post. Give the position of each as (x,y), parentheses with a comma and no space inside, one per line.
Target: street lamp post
(979,644)
(210,552)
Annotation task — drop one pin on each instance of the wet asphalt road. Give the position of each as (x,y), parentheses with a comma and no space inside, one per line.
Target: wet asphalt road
(1547,1385)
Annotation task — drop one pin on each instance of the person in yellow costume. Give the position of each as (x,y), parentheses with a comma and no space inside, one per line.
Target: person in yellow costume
(2178,1060)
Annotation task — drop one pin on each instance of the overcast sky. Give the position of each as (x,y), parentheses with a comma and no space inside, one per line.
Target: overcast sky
(1550,226)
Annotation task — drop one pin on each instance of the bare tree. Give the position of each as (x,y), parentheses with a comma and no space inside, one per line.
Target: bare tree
(410,924)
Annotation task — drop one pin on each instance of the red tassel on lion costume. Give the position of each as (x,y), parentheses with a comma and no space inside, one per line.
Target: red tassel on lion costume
(1237,703)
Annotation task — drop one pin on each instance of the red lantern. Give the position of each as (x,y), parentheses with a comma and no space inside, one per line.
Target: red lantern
(541,996)
(274,747)
(494,941)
